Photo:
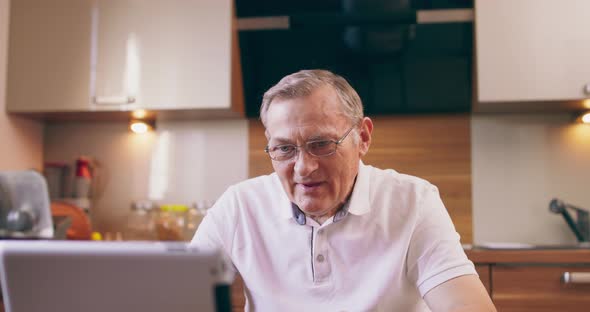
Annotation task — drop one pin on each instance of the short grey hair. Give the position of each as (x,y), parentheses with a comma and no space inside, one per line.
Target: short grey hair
(304,82)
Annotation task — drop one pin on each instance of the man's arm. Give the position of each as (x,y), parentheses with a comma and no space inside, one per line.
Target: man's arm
(218,227)
(463,293)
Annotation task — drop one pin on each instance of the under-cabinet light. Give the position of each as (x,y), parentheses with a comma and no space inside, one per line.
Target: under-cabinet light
(141,126)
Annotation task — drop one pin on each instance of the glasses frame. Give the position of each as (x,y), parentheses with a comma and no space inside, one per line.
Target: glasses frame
(304,146)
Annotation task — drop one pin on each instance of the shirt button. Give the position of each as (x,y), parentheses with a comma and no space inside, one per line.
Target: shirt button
(320,232)
(320,258)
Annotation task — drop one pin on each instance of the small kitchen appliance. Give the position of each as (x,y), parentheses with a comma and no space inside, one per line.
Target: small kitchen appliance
(25,210)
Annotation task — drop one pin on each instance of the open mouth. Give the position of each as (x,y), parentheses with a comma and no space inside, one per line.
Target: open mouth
(310,186)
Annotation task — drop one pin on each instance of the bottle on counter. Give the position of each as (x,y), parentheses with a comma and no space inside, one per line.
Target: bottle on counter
(194,217)
(141,221)
(171,222)
(82,183)
(83,178)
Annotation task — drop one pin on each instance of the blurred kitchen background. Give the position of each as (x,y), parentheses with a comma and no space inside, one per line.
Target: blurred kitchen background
(483,100)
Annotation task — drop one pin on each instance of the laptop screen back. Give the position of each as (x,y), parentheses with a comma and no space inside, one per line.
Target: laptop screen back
(97,276)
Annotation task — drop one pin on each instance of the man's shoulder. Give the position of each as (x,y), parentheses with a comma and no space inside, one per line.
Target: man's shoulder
(396,196)
(262,188)
(257,184)
(248,194)
(390,178)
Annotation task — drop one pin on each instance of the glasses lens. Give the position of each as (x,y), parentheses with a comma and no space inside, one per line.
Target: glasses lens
(321,148)
(282,152)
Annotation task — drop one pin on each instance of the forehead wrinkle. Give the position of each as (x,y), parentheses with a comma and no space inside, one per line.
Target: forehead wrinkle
(318,115)
(305,133)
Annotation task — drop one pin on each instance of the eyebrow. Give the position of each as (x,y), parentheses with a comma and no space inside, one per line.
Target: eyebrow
(279,141)
(318,137)
(315,137)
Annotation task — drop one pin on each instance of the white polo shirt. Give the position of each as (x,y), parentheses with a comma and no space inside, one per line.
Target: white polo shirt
(392,243)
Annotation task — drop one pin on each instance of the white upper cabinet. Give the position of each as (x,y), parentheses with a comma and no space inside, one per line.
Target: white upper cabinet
(532,50)
(113,55)
(48,55)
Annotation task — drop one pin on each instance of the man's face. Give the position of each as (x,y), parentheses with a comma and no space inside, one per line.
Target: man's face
(317,185)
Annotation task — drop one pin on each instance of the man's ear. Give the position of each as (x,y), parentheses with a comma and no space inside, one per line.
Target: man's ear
(266,134)
(366,129)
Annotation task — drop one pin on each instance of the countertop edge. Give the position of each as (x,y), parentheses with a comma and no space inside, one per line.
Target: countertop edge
(555,256)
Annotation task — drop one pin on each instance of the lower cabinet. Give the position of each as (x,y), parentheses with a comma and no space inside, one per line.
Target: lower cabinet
(539,287)
(484,272)
(515,287)
(523,280)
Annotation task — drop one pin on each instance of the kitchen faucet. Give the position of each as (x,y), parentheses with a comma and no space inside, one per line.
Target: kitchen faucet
(580,227)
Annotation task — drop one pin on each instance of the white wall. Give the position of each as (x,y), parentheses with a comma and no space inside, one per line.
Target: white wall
(521,162)
(21,140)
(182,162)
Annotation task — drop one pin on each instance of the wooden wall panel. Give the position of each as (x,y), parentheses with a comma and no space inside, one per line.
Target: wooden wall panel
(434,147)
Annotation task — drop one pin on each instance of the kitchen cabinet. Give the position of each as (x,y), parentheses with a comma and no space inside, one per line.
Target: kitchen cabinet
(517,280)
(532,280)
(120,55)
(539,288)
(485,274)
(532,50)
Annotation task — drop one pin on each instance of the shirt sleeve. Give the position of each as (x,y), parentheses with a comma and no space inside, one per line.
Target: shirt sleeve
(435,254)
(218,228)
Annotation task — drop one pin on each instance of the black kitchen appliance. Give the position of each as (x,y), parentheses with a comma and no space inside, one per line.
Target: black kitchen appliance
(397,63)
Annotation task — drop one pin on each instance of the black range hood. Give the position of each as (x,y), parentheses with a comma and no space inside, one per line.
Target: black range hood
(397,64)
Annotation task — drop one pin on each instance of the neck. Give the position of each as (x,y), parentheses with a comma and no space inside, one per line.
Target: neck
(321,219)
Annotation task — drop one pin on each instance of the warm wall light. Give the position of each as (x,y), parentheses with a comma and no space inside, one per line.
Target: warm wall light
(141,126)
(586,118)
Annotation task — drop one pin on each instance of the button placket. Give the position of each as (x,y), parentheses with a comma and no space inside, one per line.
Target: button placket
(321,263)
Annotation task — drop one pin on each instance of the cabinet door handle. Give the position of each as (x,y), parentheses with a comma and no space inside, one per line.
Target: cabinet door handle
(113,100)
(576,277)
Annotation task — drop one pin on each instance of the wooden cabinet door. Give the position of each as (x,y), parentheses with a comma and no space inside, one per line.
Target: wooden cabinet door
(49,56)
(539,288)
(484,272)
(113,55)
(155,54)
(532,50)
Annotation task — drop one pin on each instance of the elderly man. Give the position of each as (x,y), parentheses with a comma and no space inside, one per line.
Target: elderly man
(326,232)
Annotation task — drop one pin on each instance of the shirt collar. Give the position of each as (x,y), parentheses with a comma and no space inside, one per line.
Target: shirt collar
(299,216)
(360,198)
(357,204)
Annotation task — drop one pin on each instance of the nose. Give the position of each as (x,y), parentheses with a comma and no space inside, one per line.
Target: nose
(305,163)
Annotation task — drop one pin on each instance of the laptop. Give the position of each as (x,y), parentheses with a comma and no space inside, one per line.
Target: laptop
(64,276)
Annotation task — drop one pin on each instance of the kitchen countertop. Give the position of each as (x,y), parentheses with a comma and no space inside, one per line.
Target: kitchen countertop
(536,255)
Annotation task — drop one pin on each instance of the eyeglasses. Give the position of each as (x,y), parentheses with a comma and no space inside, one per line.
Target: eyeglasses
(318,148)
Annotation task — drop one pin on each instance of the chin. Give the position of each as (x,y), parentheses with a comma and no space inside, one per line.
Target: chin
(312,209)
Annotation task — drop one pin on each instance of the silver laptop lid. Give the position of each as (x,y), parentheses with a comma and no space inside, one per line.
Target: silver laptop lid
(100,276)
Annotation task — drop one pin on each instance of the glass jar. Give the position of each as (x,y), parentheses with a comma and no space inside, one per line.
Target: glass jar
(171,222)
(140,222)
(194,217)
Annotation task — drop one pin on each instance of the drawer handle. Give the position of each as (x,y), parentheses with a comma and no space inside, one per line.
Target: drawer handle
(576,277)
(113,100)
